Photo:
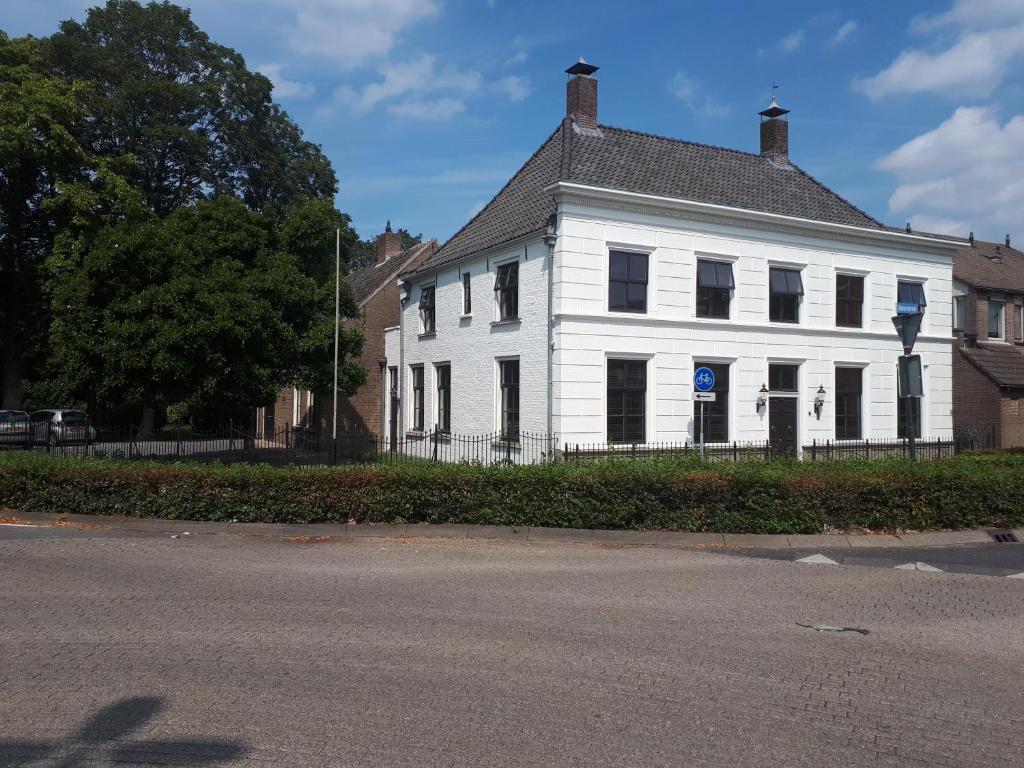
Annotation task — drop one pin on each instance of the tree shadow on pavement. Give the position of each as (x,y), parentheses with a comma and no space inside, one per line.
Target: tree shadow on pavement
(106,739)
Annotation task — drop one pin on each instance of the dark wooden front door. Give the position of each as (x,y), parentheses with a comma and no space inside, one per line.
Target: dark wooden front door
(782,425)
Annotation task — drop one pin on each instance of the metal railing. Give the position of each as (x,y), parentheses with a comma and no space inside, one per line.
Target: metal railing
(829,450)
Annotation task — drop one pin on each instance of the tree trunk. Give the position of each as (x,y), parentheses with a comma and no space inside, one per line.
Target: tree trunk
(11,373)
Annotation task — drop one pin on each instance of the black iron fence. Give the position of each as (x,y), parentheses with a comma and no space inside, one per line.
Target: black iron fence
(297,446)
(974,437)
(828,450)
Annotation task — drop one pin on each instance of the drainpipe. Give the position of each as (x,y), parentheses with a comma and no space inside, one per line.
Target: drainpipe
(403,298)
(550,238)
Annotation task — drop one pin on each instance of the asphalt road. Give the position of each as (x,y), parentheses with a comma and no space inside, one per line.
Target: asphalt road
(132,649)
(981,559)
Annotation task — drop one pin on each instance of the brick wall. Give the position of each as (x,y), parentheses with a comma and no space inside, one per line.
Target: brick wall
(1012,413)
(976,398)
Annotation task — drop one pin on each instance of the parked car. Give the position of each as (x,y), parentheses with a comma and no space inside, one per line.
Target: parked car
(14,429)
(61,426)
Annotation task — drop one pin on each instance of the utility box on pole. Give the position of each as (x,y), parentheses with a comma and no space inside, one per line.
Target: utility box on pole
(911,378)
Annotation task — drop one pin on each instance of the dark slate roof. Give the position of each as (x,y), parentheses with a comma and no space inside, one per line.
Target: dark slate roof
(366,280)
(990,265)
(614,158)
(1003,364)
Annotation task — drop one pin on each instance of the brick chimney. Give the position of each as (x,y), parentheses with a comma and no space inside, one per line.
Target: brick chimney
(581,94)
(388,244)
(775,133)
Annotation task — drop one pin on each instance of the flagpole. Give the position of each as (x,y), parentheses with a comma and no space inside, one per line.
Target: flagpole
(337,312)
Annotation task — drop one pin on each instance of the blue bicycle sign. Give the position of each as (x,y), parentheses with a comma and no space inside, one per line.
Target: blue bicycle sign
(703,379)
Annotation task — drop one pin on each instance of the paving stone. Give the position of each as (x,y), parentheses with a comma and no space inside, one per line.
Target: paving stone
(579,535)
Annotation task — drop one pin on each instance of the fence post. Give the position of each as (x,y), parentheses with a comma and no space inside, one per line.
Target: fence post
(735,451)
(767,450)
(814,449)
(177,440)
(231,434)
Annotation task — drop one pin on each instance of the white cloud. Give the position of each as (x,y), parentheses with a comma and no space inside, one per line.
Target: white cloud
(688,91)
(939,225)
(351,31)
(988,36)
(283,87)
(420,76)
(792,41)
(515,87)
(516,58)
(437,110)
(845,31)
(968,169)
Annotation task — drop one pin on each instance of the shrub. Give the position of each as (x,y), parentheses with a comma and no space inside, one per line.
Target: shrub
(670,494)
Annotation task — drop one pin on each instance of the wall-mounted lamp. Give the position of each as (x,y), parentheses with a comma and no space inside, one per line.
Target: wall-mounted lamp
(762,399)
(819,401)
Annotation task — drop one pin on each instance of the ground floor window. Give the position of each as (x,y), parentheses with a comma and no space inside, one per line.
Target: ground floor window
(627,398)
(849,388)
(444,398)
(417,397)
(715,427)
(508,379)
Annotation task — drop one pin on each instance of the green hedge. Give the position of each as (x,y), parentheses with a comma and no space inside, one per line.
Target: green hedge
(687,495)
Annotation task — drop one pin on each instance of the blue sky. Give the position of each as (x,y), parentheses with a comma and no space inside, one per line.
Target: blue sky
(912,110)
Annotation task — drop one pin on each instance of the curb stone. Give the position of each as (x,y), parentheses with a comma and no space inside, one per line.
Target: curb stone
(527,533)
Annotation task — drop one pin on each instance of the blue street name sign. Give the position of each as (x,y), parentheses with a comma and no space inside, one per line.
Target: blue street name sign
(703,379)
(907,308)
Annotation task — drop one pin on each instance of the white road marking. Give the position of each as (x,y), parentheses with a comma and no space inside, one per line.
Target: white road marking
(919,566)
(1016,576)
(817,560)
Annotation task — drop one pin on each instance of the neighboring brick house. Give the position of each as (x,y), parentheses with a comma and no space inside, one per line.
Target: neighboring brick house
(988,362)
(375,289)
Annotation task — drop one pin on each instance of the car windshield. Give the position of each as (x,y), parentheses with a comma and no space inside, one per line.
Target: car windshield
(7,417)
(74,417)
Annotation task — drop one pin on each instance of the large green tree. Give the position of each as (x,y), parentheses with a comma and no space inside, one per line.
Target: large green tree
(206,311)
(39,118)
(196,121)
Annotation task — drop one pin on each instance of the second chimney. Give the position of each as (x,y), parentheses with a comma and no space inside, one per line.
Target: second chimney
(775,133)
(581,94)
(388,244)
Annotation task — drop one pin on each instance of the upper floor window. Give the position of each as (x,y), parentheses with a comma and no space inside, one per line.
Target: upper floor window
(506,288)
(508,381)
(714,288)
(996,319)
(849,301)
(444,398)
(784,291)
(417,397)
(909,293)
(959,313)
(467,295)
(427,309)
(627,282)
(1018,321)
(627,397)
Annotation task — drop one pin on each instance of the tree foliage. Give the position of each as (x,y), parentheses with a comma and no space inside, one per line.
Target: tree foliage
(205,310)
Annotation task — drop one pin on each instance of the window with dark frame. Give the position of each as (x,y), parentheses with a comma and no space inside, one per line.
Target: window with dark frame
(714,288)
(444,398)
(782,377)
(417,398)
(849,388)
(467,295)
(1018,321)
(627,282)
(627,401)
(716,414)
(508,377)
(427,309)
(506,288)
(784,291)
(849,301)
(908,292)
(902,403)
(959,313)
(996,319)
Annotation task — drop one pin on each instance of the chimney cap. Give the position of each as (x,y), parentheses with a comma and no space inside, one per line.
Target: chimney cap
(1007,241)
(581,68)
(387,227)
(774,110)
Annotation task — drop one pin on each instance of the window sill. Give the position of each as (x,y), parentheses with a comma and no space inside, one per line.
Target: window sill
(500,443)
(628,312)
(429,335)
(509,321)
(416,434)
(784,322)
(466,317)
(849,327)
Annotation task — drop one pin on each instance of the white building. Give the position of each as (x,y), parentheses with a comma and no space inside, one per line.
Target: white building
(581,299)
